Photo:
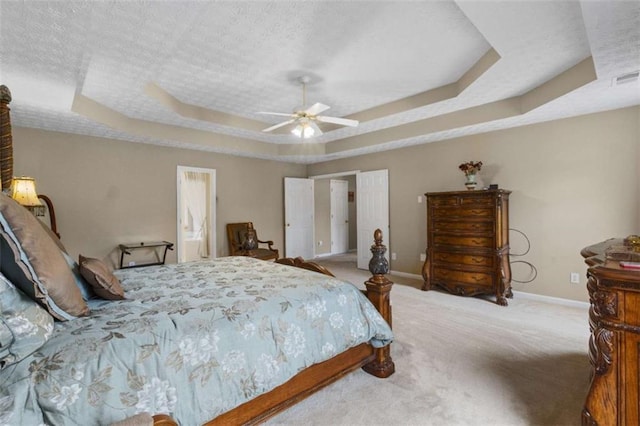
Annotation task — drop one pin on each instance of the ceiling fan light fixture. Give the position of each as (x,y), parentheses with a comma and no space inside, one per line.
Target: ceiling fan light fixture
(303,131)
(306,119)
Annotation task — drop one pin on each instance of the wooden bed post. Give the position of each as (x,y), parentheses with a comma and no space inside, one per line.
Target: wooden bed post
(378,289)
(6,139)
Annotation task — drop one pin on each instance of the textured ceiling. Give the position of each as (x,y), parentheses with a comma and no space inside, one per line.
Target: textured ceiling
(195,74)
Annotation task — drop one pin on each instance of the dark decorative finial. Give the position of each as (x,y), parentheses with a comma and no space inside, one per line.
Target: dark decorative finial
(378,264)
(5,94)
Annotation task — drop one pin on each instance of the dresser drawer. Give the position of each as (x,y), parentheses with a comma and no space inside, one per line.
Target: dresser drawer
(450,240)
(444,201)
(466,200)
(451,212)
(482,228)
(470,201)
(475,278)
(463,259)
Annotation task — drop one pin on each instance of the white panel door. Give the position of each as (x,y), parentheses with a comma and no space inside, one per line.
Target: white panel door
(298,216)
(373,211)
(339,216)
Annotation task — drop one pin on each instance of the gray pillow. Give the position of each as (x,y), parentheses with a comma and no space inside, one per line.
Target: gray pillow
(24,325)
(35,264)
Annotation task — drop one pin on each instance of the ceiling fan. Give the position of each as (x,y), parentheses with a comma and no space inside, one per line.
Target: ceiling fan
(306,118)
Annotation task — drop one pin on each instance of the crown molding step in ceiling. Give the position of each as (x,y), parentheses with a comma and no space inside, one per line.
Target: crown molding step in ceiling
(196,75)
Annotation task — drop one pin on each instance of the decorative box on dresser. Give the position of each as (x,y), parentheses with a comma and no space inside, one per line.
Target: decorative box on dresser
(614,346)
(468,243)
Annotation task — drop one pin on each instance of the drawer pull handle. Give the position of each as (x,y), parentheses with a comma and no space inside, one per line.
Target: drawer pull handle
(477,260)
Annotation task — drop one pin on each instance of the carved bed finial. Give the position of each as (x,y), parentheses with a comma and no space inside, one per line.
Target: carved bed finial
(5,94)
(378,265)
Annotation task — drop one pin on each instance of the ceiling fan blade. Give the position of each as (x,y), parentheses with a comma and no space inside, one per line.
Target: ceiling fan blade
(277,126)
(316,109)
(337,120)
(279,114)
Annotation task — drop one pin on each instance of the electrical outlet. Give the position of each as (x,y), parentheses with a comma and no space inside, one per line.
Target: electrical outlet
(132,263)
(393,256)
(575,278)
(423,257)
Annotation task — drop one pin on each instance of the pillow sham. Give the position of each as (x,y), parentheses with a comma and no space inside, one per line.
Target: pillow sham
(24,325)
(35,264)
(100,278)
(53,236)
(85,289)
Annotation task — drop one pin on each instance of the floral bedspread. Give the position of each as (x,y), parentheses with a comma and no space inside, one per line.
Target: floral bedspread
(192,340)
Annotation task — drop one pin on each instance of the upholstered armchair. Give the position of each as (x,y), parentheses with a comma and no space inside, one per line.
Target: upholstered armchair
(244,241)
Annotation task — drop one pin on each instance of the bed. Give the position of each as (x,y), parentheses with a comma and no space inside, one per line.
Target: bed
(232,340)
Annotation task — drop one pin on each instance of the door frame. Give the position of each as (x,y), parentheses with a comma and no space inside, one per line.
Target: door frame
(342,203)
(386,232)
(212,208)
(332,176)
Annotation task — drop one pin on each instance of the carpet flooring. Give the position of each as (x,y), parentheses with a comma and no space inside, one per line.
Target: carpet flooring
(462,361)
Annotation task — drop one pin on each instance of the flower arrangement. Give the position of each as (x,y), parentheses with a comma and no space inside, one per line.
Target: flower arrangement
(470,167)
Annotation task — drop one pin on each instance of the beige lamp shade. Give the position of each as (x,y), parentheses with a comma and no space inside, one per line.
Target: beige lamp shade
(23,190)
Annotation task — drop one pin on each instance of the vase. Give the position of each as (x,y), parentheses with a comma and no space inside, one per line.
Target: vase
(471,181)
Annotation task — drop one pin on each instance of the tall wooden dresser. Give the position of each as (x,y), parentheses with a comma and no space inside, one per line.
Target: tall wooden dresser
(614,346)
(468,243)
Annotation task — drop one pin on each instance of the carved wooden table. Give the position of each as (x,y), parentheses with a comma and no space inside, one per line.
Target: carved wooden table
(614,346)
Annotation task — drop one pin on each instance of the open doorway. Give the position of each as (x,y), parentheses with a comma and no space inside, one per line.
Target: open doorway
(335,224)
(196,195)
(368,209)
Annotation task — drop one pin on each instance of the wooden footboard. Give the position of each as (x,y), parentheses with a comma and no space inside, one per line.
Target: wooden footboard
(376,361)
(297,388)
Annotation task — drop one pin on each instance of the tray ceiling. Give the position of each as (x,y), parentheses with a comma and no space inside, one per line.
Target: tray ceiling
(195,74)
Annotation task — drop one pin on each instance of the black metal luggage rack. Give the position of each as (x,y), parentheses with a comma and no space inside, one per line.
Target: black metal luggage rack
(128,248)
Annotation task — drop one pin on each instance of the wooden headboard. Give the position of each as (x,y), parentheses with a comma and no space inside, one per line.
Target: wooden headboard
(6,139)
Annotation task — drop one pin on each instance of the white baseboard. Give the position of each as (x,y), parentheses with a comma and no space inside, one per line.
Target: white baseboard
(315,256)
(406,275)
(523,294)
(551,299)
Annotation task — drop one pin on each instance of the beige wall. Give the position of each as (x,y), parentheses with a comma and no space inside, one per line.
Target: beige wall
(107,191)
(574,182)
